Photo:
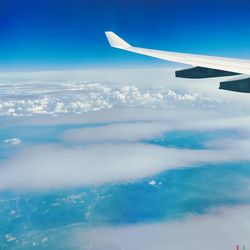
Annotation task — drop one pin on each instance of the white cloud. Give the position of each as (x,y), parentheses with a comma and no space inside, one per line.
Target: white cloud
(52,166)
(220,228)
(145,103)
(147,124)
(127,132)
(173,117)
(152,101)
(56,167)
(14,141)
(139,77)
(48,166)
(56,92)
(9,237)
(152,183)
(85,97)
(223,228)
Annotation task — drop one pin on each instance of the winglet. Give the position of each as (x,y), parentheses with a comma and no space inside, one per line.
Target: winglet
(115,41)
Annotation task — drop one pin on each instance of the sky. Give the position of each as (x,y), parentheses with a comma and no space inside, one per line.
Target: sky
(53,34)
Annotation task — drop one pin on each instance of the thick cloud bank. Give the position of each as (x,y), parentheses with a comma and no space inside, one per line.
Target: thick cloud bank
(114,147)
(55,166)
(51,166)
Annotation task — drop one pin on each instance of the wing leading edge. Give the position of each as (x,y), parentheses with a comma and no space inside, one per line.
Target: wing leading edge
(203,66)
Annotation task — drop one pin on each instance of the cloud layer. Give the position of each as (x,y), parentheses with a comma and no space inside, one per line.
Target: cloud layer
(115,150)
(57,167)
(116,142)
(120,132)
(53,166)
(220,229)
(30,99)
(126,115)
(79,91)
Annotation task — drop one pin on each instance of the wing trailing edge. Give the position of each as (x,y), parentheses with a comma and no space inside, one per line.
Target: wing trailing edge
(201,72)
(203,66)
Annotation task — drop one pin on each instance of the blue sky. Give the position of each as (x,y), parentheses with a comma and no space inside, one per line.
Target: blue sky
(52,34)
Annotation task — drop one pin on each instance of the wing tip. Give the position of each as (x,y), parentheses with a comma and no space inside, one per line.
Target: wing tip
(116,41)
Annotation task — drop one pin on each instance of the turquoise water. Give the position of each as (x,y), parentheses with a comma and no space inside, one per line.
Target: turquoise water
(35,135)
(174,195)
(191,139)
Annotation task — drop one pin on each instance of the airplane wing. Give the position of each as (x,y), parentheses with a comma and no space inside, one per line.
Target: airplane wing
(203,66)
